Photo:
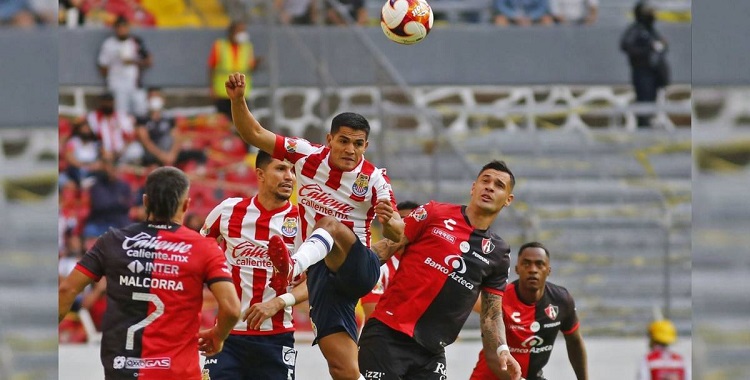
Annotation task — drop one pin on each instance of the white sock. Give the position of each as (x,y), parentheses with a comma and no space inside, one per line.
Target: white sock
(314,249)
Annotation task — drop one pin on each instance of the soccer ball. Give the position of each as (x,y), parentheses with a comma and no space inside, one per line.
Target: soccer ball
(406,21)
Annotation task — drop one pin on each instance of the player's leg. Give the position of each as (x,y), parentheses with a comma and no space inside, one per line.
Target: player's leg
(384,354)
(340,352)
(270,357)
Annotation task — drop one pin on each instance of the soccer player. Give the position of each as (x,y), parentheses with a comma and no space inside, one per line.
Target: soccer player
(450,257)
(155,272)
(340,193)
(261,345)
(387,270)
(534,311)
(661,362)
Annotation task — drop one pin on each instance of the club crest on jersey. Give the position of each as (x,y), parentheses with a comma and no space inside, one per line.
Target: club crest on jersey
(419,214)
(289,227)
(551,311)
(359,188)
(487,246)
(291,145)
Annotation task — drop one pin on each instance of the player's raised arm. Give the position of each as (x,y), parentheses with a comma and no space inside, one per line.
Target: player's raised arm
(247,126)
(393,225)
(493,337)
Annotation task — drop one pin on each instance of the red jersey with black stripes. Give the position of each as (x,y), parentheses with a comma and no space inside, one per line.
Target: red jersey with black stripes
(531,329)
(442,270)
(155,275)
(349,196)
(245,227)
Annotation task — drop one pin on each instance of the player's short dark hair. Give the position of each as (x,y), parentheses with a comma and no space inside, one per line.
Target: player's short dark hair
(262,159)
(352,120)
(407,205)
(165,187)
(533,244)
(500,166)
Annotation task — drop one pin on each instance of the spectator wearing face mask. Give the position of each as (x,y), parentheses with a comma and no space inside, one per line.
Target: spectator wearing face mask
(161,141)
(230,55)
(113,128)
(122,59)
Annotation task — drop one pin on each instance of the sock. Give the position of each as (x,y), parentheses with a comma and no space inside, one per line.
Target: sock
(314,249)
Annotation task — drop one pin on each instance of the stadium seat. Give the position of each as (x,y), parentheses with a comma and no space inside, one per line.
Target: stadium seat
(172,13)
(212,12)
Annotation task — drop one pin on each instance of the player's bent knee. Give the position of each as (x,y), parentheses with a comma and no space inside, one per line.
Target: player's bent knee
(343,372)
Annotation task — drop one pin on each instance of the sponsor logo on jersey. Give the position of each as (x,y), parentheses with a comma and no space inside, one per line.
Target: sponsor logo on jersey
(288,355)
(452,274)
(551,311)
(480,257)
(289,227)
(419,214)
(212,361)
(291,145)
(153,283)
(456,262)
(146,254)
(487,246)
(121,362)
(553,324)
(374,375)
(464,246)
(146,241)
(137,267)
(314,197)
(532,341)
(534,326)
(359,188)
(249,249)
(443,234)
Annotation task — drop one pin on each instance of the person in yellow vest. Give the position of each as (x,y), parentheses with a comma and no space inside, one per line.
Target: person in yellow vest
(228,55)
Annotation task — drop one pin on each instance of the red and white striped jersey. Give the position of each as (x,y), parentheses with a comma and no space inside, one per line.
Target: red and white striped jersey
(245,227)
(662,364)
(349,196)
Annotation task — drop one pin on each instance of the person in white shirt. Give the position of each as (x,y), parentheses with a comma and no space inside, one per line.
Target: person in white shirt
(122,58)
(579,12)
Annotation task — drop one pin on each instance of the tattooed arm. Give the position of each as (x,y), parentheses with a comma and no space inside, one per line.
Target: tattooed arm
(385,248)
(493,335)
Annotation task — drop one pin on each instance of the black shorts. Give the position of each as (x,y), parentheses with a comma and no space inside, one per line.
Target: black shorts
(387,354)
(247,357)
(334,295)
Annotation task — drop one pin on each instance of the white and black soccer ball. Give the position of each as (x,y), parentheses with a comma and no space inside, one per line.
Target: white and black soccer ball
(406,21)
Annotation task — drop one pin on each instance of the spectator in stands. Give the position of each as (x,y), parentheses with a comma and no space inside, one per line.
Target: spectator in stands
(354,8)
(16,13)
(661,362)
(298,12)
(159,137)
(122,59)
(577,12)
(646,50)
(113,128)
(111,199)
(229,55)
(82,153)
(522,12)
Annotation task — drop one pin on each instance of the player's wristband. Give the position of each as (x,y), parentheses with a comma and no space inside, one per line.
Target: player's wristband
(501,348)
(289,299)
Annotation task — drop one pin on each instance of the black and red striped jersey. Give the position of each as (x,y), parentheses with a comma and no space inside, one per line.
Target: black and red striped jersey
(531,329)
(155,275)
(442,270)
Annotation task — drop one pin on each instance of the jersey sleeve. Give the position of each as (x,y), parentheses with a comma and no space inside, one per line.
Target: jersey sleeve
(216,267)
(93,263)
(212,226)
(570,324)
(417,221)
(292,149)
(383,189)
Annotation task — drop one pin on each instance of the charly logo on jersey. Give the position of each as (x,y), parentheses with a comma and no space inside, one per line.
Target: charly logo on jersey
(487,246)
(456,262)
(361,184)
(289,227)
(291,145)
(419,214)
(551,311)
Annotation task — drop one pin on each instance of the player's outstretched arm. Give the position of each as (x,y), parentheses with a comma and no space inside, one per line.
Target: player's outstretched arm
(386,248)
(247,126)
(259,312)
(493,336)
(393,225)
(211,341)
(577,354)
(69,288)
